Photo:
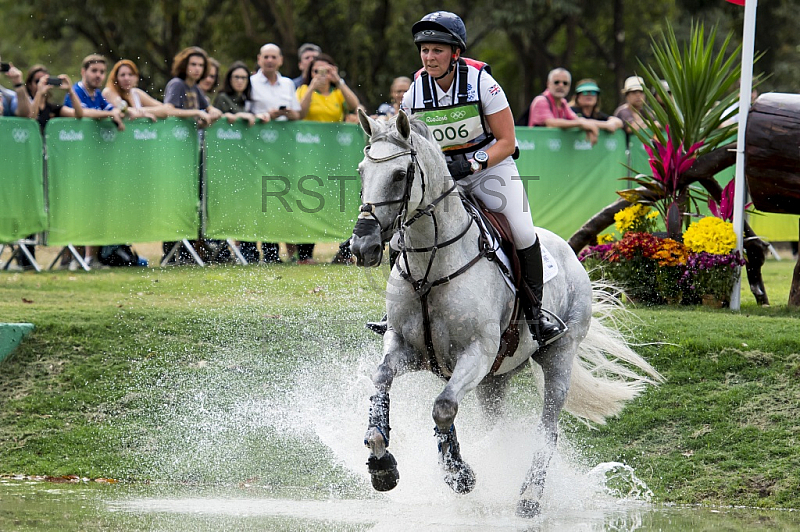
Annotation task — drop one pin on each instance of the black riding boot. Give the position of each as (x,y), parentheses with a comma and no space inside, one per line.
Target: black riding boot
(545,331)
(380,327)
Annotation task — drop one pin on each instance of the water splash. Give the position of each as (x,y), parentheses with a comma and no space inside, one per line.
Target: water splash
(287,407)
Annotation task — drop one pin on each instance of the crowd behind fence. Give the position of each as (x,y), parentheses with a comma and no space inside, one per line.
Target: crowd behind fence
(278,181)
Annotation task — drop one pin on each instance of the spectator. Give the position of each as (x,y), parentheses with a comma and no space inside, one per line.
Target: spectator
(305,54)
(631,111)
(324,97)
(235,99)
(89,96)
(43,109)
(210,81)
(182,92)
(235,103)
(586,104)
(186,98)
(122,90)
(31,81)
(271,92)
(399,87)
(550,109)
(273,95)
(14,102)
(665,85)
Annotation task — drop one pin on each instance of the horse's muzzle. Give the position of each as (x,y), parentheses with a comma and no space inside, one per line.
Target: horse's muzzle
(368,250)
(366,243)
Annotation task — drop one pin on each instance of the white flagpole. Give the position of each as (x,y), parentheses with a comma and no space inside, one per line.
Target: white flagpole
(745,89)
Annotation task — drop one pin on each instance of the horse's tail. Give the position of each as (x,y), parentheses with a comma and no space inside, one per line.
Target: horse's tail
(606,372)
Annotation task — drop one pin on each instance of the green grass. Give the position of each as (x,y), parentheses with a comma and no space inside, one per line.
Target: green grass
(124,364)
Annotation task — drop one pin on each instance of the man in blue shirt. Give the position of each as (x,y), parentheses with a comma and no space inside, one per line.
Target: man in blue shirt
(88,90)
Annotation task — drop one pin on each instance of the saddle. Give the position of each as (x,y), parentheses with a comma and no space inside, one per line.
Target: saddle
(500,234)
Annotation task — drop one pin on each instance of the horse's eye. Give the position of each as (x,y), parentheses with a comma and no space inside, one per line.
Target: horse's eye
(399,175)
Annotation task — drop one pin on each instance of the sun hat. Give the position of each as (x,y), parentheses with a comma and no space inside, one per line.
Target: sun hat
(633,83)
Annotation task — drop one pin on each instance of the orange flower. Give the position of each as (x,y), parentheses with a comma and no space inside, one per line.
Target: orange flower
(671,253)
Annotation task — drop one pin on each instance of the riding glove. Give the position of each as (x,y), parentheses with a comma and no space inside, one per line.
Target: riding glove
(459,168)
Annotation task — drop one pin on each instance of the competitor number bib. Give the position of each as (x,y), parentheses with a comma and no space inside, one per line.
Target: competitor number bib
(456,127)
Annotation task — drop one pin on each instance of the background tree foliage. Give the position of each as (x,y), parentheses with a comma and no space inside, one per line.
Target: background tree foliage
(371,41)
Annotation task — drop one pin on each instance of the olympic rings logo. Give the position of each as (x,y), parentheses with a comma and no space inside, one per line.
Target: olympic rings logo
(19,135)
(458,115)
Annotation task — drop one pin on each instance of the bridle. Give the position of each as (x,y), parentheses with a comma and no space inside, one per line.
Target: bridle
(401,223)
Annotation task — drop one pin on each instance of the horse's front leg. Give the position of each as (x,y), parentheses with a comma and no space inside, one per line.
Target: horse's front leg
(556,362)
(382,466)
(471,368)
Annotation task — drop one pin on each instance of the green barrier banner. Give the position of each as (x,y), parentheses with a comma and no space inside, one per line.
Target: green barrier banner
(108,187)
(283,181)
(776,227)
(21,179)
(568,179)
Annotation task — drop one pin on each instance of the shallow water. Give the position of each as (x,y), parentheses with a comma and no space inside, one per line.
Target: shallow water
(232,443)
(28,506)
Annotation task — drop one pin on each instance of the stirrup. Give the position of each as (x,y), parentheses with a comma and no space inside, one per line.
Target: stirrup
(378,327)
(544,331)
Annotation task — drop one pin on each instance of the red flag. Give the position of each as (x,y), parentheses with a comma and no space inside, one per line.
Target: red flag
(737,2)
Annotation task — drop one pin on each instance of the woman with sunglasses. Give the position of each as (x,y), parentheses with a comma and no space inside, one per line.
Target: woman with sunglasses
(234,100)
(586,104)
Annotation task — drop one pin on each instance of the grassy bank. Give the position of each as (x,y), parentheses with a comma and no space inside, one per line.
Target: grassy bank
(167,375)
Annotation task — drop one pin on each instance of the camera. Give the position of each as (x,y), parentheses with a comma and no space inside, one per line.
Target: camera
(5,67)
(54,81)
(282,108)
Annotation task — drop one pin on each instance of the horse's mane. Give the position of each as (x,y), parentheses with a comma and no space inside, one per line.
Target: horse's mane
(419,127)
(388,131)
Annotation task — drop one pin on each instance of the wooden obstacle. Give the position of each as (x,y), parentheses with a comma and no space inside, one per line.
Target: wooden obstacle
(772,161)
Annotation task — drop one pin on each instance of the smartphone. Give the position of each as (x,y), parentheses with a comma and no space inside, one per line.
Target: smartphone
(54,81)
(5,67)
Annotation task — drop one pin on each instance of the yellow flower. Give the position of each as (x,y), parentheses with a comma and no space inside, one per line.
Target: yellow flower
(712,235)
(605,239)
(631,218)
(652,215)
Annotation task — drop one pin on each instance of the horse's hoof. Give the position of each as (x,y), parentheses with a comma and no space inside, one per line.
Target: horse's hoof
(462,480)
(527,508)
(383,472)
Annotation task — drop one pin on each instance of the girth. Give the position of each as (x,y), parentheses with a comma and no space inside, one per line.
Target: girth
(509,340)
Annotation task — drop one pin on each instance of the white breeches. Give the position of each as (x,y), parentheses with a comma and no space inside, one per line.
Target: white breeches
(500,188)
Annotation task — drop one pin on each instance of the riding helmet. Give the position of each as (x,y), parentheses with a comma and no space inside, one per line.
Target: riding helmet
(441,26)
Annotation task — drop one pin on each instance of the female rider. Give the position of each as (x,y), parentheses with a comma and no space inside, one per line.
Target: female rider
(469,116)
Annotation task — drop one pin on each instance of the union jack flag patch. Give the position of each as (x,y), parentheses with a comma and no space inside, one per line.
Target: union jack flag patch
(494,89)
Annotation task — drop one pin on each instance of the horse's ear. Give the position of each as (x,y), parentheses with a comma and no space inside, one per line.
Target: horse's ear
(365,121)
(403,124)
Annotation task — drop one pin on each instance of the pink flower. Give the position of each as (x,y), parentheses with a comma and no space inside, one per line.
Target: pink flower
(725,208)
(669,162)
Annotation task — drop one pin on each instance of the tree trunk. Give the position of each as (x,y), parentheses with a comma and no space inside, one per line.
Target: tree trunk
(794,292)
(619,46)
(772,149)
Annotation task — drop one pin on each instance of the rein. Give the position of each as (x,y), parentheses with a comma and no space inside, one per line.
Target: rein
(421,286)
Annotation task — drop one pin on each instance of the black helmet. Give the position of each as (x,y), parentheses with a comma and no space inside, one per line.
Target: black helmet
(441,26)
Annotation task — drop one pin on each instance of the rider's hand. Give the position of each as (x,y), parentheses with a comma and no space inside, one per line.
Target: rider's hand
(459,168)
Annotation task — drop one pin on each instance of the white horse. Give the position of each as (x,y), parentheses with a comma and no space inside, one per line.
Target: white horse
(448,306)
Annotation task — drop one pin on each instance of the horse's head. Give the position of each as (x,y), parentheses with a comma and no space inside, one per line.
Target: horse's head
(392,184)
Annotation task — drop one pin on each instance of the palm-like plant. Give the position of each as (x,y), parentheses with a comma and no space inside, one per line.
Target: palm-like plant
(691,121)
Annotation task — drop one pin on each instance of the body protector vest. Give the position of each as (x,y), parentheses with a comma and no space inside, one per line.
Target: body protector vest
(459,128)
